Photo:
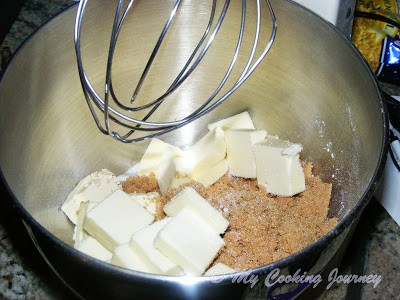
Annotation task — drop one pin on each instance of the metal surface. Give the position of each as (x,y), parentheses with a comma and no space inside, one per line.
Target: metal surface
(110,109)
(339,12)
(314,88)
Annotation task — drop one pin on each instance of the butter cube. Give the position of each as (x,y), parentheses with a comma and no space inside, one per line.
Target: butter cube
(79,233)
(113,221)
(207,152)
(278,167)
(124,256)
(209,176)
(239,121)
(239,148)
(153,158)
(190,199)
(219,269)
(143,242)
(93,188)
(166,171)
(189,242)
(92,247)
(179,180)
(148,201)
(71,207)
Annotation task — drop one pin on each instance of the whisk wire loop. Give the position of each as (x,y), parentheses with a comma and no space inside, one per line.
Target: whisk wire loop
(118,112)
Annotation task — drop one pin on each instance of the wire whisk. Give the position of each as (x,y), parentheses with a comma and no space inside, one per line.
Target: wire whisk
(108,109)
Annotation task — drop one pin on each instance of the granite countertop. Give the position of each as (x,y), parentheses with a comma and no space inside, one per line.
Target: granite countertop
(25,275)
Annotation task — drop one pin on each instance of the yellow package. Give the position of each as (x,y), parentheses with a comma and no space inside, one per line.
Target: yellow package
(376,35)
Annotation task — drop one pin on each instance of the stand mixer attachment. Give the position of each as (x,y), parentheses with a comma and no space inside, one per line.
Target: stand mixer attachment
(109,110)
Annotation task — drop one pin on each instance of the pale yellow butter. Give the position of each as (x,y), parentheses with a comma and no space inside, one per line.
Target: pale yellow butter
(240,155)
(153,158)
(79,233)
(166,171)
(209,176)
(207,152)
(94,188)
(188,241)
(239,121)
(92,247)
(113,221)
(188,198)
(278,166)
(147,201)
(124,256)
(143,242)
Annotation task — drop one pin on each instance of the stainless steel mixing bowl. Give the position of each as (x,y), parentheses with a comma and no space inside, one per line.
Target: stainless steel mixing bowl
(313,88)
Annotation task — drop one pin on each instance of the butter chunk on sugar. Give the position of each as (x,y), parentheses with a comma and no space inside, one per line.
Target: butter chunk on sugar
(209,176)
(240,155)
(124,256)
(92,247)
(166,171)
(278,166)
(143,243)
(239,121)
(155,154)
(207,152)
(113,221)
(79,233)
(188,198)
(148,201)
(188,241)
(94,188)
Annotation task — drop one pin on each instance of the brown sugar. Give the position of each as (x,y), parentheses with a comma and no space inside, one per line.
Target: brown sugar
(263,228)
(141,184)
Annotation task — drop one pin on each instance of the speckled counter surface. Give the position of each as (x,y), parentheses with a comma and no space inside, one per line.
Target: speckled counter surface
(25,275)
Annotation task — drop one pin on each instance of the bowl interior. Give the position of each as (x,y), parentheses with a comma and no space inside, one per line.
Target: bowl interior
(312,88)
